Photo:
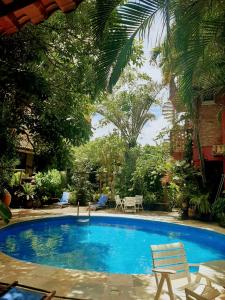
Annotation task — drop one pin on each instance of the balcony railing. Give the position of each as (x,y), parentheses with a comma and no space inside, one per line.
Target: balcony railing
(178,139)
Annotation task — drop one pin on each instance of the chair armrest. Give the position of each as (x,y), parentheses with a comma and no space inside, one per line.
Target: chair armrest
(164,271)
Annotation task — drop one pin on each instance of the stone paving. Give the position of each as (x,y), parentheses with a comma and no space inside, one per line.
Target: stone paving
(82,284)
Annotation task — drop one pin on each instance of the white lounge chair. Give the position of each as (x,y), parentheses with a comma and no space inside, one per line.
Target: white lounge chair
(129,204)
(119,202)
(139,202)
(170,263)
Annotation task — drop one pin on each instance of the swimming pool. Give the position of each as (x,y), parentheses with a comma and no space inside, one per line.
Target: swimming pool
(105,244)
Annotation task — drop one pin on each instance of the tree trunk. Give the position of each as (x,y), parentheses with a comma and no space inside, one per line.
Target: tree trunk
(196,104)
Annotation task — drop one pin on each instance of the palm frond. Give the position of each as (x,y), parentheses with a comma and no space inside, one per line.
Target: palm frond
(101,16)
(132,19)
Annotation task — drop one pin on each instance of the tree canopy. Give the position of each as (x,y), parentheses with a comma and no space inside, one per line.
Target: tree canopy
(47,84)
(193,53)
(128,107)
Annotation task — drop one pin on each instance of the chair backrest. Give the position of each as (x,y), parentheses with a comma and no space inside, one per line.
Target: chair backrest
(102,200)
(117,199)
(129,201)
(139,199)
(173,257)
(65,197)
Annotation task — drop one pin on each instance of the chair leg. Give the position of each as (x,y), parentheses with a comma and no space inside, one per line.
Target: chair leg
(159,290)
(169,285)
(170,289)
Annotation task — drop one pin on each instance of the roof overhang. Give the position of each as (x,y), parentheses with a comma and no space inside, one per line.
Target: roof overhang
(14,14)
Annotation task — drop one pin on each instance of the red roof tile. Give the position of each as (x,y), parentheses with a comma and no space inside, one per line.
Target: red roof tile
(14,14)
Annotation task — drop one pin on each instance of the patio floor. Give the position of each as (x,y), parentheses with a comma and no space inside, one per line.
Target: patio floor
(82,284)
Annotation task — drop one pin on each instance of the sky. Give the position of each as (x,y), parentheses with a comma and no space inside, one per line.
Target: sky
(151,128)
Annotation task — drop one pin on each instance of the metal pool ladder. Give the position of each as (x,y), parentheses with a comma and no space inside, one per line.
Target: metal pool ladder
(81,220)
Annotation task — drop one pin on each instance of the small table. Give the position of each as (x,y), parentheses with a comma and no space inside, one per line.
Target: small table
(214,271)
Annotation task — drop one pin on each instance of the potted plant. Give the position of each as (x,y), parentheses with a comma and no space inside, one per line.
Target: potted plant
(6,198)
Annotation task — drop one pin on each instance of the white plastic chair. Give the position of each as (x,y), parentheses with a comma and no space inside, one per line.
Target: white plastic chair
(139,202)
(119,202)
(170,263)
(129,204)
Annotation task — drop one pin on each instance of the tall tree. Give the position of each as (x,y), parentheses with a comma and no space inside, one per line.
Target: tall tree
(47,83)
(128,108)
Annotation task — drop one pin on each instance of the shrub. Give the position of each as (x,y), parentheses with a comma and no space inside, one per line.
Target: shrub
(16,179)
(201,203)
(149,200)
(218,210)
(73,198)
(49,184)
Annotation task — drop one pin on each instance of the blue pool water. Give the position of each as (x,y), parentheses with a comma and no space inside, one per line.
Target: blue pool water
(105,244)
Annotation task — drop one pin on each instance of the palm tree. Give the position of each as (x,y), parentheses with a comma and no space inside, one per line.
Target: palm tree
(193,29)
(128,108)
(116,25)
(193,49)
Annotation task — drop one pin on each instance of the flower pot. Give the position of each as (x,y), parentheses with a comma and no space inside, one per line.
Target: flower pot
(191,212)
(7,199)
(29,203)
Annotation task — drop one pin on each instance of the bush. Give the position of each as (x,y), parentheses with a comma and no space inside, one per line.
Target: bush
(16,179)
(6,171)
(218,210)
(149,200)
(200,203)
(49,184)
(73,198)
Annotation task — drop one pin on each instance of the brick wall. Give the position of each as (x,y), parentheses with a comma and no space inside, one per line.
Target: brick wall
(210,128)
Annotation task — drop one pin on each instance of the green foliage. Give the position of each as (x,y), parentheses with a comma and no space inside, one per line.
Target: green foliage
(49,184)
(218,206)
(7,151)
(128,108)
(28,191)
(150,199)
(150,168)
(16,179)
(116,28)
(188,51)
(124,177)
(5,213)
(174,193)
(201,203)
(188,189)
(218,210)
(73,198)
(99,162)
(6,171)
(47,88)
